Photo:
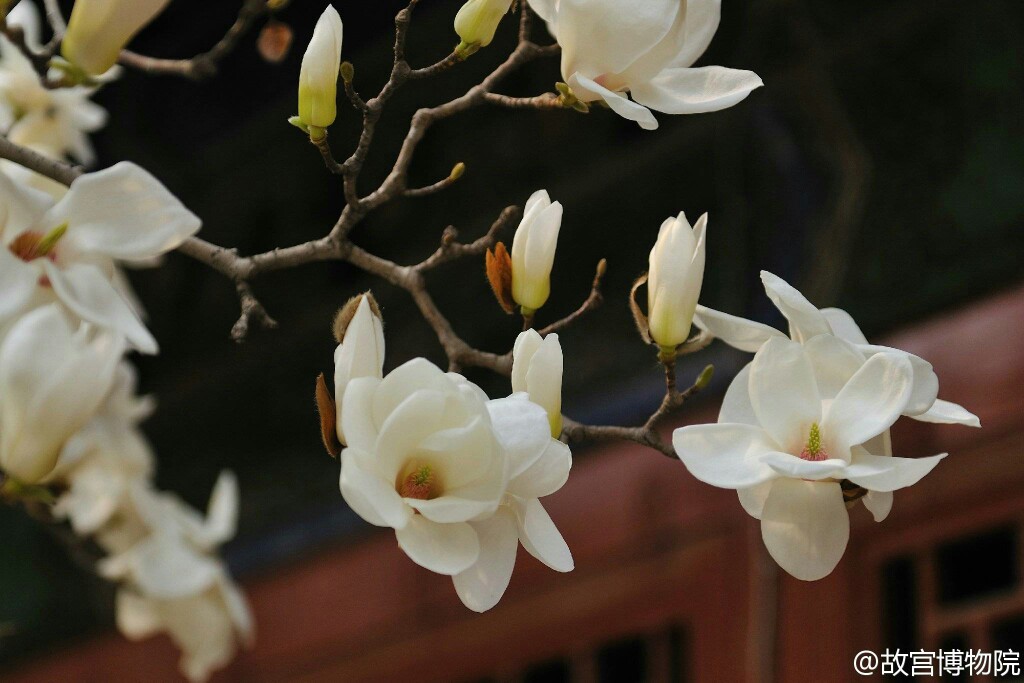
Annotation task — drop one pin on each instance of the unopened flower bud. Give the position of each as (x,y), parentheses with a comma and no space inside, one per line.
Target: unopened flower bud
(99,29)
(360,351)
(477,21)
(674,280)
(533,251)
(537,370)
(318,78)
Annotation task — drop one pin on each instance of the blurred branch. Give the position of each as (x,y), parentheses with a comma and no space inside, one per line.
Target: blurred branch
(203,65)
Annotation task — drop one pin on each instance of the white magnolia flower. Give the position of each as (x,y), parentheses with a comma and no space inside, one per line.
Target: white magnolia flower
(318,78)
(360,354)
(53,122)
(645,48)
(537,370)
(427,455)
(206,626)
(520,518)
(99,29)
(52,381)
(789,445)
(533,251)
(674,280)
(67,251)
(103,462)
(477,20)
(806,322)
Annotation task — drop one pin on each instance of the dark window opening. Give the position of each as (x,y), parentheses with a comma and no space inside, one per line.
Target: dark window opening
(978,566)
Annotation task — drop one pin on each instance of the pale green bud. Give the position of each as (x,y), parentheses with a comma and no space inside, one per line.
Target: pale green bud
(318,79)
(99,29)
(477,21)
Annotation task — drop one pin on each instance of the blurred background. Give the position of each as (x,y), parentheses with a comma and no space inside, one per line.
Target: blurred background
(881,169)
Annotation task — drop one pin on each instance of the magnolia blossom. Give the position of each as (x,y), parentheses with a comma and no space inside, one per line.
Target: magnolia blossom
(360,354)
(646,49)
(52,381)
(674,280)
(537,370)
(99,29)
(533,251)
(477,20)
(207,626)
(67,251)
(789,446)
(318,78)
(101,464)
(53,122)
(428,454)
(806,322)
(170,582)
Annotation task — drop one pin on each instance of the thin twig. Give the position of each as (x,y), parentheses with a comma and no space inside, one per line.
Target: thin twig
(206,64)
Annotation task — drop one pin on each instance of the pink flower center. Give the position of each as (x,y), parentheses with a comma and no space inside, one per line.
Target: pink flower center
(814,451)
(420,484)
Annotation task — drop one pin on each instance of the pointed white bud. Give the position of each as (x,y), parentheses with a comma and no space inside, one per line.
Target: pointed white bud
(318,79)
(533,251)
(537,370)
(361,352)
(674,280)
(99,29)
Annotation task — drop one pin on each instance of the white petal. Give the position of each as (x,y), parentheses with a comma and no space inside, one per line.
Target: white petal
(791,466)
(443,548)
(752,499)
(222,510)
(843,325)
(784,393)
(481,586)
(725,455)
(805,320)
(926,383)
(369,496)
(736,406)
(887,473)
(356,415)
(540,537)
(526,345)
(587,89)
(835,361)
(700,24)
(522,429)
(944,412)
(123,212)
(21,208)
(89,294)
(879,504)
(695,91)
(547,475)
(405,429)
(745,335)
(137,617)
(868,405)
(607,36)
(805,527)
(18,282)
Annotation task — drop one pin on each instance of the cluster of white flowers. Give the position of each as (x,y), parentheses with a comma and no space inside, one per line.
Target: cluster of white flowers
(68,411)
(458,476)
(161,551)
